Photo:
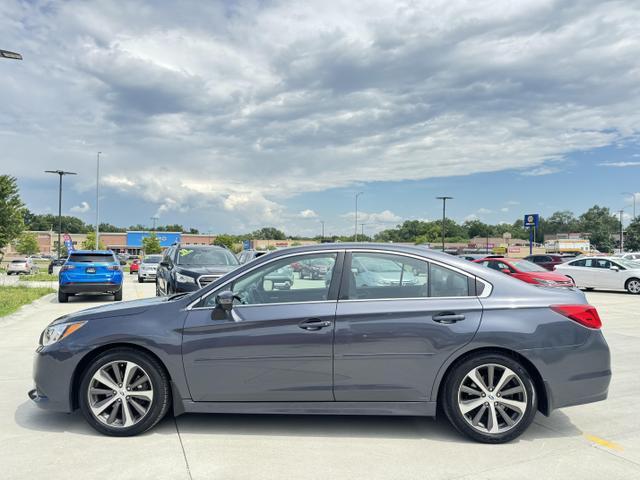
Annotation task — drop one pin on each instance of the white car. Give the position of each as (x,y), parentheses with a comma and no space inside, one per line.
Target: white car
(148,268)
(608,273)
(633,256)
(22,265)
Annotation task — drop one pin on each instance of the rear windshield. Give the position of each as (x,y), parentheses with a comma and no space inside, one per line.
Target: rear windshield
(205,256)
(91,258)
(18,261)
(152,259)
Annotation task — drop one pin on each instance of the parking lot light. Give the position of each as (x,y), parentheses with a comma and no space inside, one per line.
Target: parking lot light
(444,214)
(10,55)
(61,173)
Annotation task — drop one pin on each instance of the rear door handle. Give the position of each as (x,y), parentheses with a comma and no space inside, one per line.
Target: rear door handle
(447,317)
(314,324)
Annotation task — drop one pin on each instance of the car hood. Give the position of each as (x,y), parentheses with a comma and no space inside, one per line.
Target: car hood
(118,309)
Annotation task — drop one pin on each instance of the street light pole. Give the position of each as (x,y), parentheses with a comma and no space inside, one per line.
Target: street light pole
(154,218)
(444,215)
(355,235)
(60,173)
(621,233)
(98,201)
(322,236)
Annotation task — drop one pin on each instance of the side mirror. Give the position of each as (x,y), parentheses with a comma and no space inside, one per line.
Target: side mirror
(122,262)
(506,270)
(225,299)
(164,263)
(615,268)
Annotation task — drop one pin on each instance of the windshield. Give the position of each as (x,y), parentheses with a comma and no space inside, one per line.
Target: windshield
(205,256)
(628,263)
(527,266)
(91,258)
(152,259)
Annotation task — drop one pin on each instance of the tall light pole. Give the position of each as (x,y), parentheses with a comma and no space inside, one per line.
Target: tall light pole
(444,214)
(355,235)
(633,196)
(155,219)
(322,236)
(98,200)
(60,173)
(362,228)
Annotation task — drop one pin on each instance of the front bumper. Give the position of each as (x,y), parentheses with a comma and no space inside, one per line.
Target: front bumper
(186,287)
(143,274)
(87,287)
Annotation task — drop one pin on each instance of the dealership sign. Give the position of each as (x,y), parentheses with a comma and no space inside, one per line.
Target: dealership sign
(166,239)
(68,242)
(531,220)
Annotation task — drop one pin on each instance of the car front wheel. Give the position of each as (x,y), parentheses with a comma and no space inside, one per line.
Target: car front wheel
(124,392)
(490,398)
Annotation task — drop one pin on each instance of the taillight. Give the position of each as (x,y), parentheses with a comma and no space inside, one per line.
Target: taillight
(113,267)
(585,315)
(68,267)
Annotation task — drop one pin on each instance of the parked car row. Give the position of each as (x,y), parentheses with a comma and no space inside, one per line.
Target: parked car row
(20,266)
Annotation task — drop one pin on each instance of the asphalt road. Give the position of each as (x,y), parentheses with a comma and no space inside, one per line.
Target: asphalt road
(594,441)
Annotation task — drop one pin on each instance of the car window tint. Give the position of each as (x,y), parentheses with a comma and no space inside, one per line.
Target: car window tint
(380,275)
(579,263)
(444,282)
(92,257)
(279,281)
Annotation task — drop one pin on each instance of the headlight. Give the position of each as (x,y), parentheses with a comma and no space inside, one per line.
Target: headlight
(184,279)
(55,333)
(545,282)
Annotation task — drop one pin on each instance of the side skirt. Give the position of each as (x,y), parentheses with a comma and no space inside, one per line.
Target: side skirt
(426,409)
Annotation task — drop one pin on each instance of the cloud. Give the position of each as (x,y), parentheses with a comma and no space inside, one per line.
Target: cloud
(377,219)
(504,209)
(82,208)
(240,107)
(620,164)
(513,202)
(471,217)
(484,211)
(539,171)
(308,213)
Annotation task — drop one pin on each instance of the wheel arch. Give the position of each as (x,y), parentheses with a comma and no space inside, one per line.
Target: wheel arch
(544,399)
(90,356)
(626,283)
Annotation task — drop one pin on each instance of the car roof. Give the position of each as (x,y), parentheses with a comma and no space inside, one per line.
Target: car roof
(89,252)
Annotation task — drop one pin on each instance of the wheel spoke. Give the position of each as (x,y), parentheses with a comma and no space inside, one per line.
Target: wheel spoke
(470,391)
(512,391)
(504,416)
(519,407)
(127,417)
(468,406)
(100,391)
(141,410)
(478,416)
(146,394)
(105,379)
(102,405)
(113,414)
(139,381)
(116,370)
(477,379)
(128,371)
(490,374)
(506,376)
(492,425)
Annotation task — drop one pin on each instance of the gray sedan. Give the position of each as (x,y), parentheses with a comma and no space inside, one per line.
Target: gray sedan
(489,350)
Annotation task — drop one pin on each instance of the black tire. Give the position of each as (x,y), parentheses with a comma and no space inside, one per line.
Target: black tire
(118,295)
(459,421)
(159,380)
(632,286)
(63,297)
(157,289)
(140,279)
(588,289)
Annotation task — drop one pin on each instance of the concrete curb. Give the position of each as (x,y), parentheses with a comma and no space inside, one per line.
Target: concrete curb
(29,308)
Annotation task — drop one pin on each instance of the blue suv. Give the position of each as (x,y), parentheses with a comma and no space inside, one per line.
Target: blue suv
(90,271)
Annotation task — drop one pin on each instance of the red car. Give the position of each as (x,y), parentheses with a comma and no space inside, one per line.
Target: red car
(134,267)
(548,261)
(527,271)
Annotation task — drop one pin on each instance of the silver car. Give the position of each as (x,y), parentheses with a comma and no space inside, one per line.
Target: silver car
(21,266)
(148,268)
(486,349)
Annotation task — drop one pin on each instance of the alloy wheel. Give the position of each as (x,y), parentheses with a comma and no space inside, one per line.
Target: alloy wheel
(492,398)
(120,394)
(633,286)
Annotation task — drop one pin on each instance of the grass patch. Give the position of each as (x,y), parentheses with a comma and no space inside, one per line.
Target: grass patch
(39,277)
(12,298)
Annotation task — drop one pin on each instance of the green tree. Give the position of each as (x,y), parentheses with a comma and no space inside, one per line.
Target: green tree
(11,211)
(599,223)
(632,239)
(225,240)
(28,244)
(107,227)
(268,233)
(151,244)
(90,242)
(170,228)
(48,221)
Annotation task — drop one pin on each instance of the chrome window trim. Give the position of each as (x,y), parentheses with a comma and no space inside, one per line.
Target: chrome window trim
(208,275)
(232,279)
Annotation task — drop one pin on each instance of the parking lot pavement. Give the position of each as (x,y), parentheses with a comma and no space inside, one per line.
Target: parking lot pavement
(600,440)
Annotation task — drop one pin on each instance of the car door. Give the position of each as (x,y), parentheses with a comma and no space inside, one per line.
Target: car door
(393,336)
(602,275)
(274,345)
(578,270)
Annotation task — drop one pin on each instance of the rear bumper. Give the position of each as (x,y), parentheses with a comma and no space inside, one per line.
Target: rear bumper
(90,287)
(574,375)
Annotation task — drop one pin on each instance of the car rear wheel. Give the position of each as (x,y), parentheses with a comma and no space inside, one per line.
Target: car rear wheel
(118,295)
(124,392)
(633,286)
(140,279)
(490,398)
(63,297)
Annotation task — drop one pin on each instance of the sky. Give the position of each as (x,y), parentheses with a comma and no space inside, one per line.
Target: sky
(229,116)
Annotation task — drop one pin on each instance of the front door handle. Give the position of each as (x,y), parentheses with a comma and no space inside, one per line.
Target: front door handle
(447,317)
(314,324)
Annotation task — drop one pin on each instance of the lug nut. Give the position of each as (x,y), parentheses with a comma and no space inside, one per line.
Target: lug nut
(497,394)
(114,392)
(127,397)
(486,404)
(129,388)
(119,384)
(482,394)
